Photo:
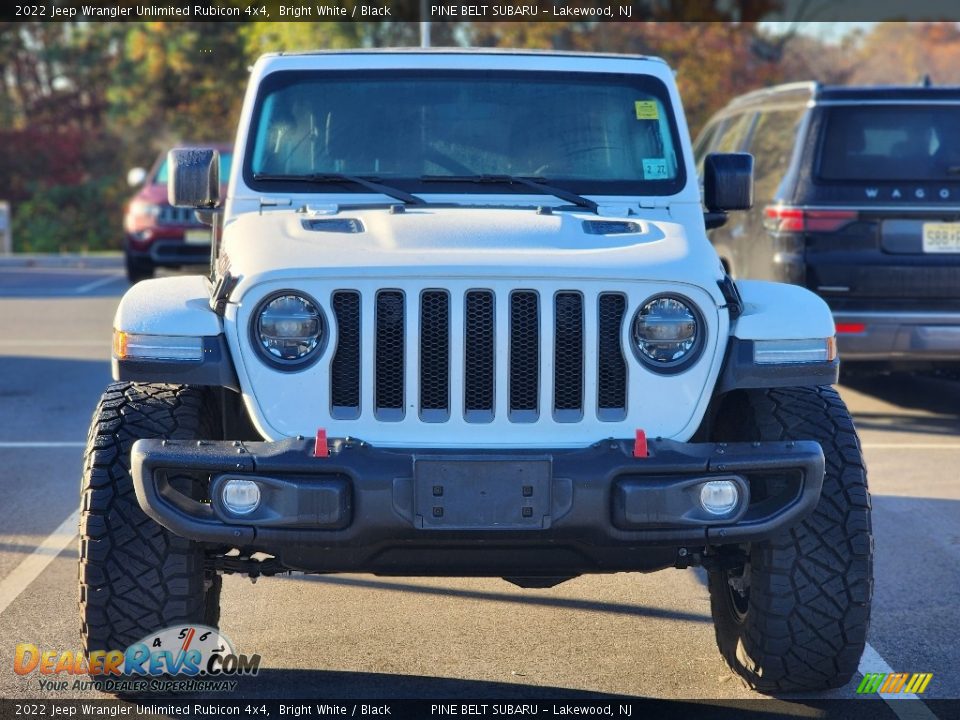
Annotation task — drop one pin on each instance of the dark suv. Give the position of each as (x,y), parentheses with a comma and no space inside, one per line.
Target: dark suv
(857,197)
(157,234)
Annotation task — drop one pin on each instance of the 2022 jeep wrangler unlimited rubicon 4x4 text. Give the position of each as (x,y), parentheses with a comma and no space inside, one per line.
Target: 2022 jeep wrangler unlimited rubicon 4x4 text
(463,319)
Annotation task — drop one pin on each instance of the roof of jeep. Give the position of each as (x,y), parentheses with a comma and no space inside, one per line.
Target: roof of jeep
(803,92)
(465,51)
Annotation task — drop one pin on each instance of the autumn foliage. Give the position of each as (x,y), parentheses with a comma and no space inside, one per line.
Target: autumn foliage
(80,103)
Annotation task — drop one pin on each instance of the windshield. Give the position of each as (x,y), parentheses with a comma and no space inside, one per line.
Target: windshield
(892,142)
(226,160)
(599,133)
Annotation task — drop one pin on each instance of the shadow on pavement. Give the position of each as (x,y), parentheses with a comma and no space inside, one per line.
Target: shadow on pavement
(566,603)
(925,393)
(296,683)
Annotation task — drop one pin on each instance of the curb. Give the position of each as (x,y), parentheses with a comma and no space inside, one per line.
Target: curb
(62,261)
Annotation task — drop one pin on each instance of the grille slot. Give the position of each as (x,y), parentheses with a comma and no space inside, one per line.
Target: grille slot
(524,356)
(435,356)
(568,357)
(611,366)
(345,368)
(388,385)
(169,215)
(479,353)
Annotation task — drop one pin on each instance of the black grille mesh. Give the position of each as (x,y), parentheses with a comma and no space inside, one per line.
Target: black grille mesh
(611,366)
(345,368)
(478,347)
(568,352)
(524,353)
(434,350)
(479,356)
(388,391)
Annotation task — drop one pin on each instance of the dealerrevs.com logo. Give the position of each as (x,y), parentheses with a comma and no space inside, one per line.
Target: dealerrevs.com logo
(186,658)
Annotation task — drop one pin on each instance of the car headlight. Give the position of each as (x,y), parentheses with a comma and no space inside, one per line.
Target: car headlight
(667,333)
(288,329)
(142,208)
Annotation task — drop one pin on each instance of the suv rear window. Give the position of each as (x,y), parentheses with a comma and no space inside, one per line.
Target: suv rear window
(891,142)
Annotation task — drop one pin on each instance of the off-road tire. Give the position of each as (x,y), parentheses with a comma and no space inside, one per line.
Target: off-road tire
(807,608)
(138,269)
(136,577)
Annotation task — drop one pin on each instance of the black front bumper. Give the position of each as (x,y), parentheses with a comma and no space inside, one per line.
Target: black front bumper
(480,513)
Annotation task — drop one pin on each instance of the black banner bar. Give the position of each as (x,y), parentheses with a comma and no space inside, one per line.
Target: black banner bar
(866,708)
(588,11)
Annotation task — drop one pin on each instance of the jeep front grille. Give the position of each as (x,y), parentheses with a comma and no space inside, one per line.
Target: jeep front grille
(455,338)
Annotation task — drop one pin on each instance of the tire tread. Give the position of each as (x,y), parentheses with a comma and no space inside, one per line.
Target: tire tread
(811,586)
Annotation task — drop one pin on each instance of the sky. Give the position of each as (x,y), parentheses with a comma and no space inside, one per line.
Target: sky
(826,31)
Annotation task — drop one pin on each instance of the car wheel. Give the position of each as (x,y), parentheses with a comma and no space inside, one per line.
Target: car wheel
(136,577)
(792,612)
(138,269)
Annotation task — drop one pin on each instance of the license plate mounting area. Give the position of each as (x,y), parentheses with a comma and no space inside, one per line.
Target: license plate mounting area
(488,493)
(941,237)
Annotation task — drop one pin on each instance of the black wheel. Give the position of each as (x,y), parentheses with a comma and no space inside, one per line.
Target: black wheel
(791,613)
(135,576)
(138,269)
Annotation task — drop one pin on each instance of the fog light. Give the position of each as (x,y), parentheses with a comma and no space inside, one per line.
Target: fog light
(240,497)
(719,497)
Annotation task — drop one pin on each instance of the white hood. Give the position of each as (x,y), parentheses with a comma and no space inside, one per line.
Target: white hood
(463,242)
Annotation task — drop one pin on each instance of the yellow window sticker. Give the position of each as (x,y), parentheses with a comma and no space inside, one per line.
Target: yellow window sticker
(646,110)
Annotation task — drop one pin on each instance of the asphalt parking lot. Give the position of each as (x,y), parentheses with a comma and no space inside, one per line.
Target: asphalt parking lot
(365,637)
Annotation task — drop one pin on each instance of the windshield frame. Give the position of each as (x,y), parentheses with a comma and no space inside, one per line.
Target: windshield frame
(645,83)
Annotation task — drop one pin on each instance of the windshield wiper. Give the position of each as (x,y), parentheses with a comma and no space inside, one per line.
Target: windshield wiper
(373,184)
(534,183)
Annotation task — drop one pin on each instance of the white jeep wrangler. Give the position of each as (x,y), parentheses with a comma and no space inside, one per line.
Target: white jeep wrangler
(463,320)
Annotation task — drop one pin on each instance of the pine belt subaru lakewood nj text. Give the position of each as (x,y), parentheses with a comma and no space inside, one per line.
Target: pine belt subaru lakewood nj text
(463,320)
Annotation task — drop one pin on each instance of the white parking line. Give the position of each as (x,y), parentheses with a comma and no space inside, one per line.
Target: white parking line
(36,562)
(871,662)
(910,446)
(97,283)
(39,445)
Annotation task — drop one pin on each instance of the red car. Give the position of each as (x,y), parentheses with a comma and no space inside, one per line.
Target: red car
(156,234)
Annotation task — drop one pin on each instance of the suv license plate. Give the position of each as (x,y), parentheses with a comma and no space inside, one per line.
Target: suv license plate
(197,237)
(941,237)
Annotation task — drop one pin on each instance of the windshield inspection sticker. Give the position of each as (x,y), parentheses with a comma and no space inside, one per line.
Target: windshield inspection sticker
(655,168)
(646,110)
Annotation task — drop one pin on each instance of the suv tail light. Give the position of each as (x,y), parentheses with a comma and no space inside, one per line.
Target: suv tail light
(784,219)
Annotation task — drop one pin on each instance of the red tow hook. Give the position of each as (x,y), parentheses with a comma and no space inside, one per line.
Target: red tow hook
(640,445)
(320,448)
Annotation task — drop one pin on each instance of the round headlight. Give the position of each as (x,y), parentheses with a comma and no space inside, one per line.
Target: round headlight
(288,328)
(666,332)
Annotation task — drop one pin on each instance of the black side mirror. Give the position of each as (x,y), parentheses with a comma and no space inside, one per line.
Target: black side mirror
(194,178)
(728,182)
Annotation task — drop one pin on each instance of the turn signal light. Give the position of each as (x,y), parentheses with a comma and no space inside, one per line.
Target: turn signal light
(129,346)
